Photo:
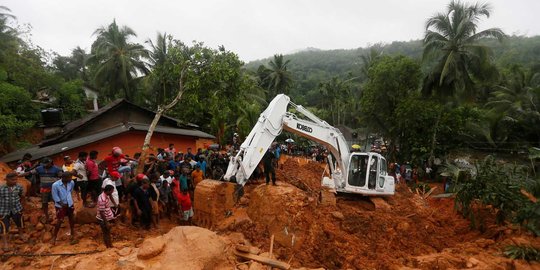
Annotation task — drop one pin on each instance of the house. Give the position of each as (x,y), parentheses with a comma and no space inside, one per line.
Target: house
(120,123)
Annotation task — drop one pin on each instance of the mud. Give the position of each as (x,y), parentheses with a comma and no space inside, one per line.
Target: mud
(409,232)
(404,231)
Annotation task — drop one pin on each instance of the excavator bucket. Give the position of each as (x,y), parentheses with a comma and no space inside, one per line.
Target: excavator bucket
(213,201)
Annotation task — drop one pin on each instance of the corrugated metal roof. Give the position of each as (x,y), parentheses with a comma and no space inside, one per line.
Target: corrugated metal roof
(74,125)
(40,152)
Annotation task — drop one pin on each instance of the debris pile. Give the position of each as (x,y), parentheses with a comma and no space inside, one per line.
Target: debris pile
(405,231)
(306,177)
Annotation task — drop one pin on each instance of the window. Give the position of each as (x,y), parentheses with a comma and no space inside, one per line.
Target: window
(383,167)
(358,170)
(382,173)
(373,172)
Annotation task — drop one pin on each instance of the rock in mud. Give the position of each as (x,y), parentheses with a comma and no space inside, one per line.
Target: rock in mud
(125,251)
(34,219)
(86,215)
(338,215)
(256,266)
(47,236)
(151,248)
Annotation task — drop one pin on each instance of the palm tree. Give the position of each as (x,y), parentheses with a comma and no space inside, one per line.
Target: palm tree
(79,59)
(279,79)
(369,58)
(4,15)
(161,84)
(8,35)
(452,40)
(518,99)
(119,61)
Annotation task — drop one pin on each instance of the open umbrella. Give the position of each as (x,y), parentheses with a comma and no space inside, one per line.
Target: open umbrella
(289,140)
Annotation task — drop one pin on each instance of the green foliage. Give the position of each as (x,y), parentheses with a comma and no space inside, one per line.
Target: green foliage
(522,252)
(276,79)
(339,98)
(71,98)
(117,60)
(17,114)
(513,105)
(391,81)
(72,67)
(219,96)
(416,119)
(11,129)
(16,101)
(495,184)
(422,187)
(452,41)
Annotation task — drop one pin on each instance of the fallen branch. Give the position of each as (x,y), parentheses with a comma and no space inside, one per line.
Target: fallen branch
(263,260)
(411,215)
(429,192)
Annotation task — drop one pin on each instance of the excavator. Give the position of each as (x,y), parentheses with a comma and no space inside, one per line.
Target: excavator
(363,173)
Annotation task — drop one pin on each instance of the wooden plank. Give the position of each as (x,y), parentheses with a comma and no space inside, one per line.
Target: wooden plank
(263,260)
(271,244)
(429,193)
(271,249)
(248,249)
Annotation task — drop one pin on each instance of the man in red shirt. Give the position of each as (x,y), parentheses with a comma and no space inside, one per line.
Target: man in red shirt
(184,200)
(113,160)
(92,171)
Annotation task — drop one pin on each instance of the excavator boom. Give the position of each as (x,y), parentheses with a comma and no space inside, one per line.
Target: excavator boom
(272,121)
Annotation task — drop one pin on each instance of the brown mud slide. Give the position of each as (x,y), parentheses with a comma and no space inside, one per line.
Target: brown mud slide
(405,231)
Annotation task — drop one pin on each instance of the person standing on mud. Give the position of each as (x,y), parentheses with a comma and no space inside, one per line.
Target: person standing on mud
(105,213)
(48,174)
(63,202)
(142,203)
(11,198)
(268,161)
(92,171)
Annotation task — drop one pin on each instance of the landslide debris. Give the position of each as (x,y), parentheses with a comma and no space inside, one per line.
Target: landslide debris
(401,231)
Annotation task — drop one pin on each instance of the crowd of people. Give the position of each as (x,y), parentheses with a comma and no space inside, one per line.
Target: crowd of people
(113,186)
(410,173)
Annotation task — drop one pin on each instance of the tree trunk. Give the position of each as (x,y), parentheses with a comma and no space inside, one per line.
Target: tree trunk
(434,138)
(159,112)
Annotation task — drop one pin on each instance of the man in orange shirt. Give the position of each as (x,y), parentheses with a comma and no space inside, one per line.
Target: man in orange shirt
(197,175)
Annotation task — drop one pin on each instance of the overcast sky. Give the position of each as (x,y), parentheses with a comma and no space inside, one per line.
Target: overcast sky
(254,29)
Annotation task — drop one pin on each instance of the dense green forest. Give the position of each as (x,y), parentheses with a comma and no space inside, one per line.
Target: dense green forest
(458,87)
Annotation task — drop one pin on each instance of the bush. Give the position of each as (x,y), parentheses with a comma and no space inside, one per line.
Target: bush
(500,186)
(523,252)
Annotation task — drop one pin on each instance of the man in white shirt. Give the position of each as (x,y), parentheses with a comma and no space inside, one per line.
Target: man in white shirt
(166,177)
(79,170)
(111,181)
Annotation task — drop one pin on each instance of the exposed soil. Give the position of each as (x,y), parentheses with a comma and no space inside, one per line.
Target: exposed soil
(404,231)
(411,232)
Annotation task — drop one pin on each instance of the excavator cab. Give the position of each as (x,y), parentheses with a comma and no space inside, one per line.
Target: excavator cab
(367,174)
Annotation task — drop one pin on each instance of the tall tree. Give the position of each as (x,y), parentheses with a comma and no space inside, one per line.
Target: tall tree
(517,101)
(452,40)
(8,35)
(79,59)
(279,78)
(160,83)
(391,81)
(337,98)
(118,60)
